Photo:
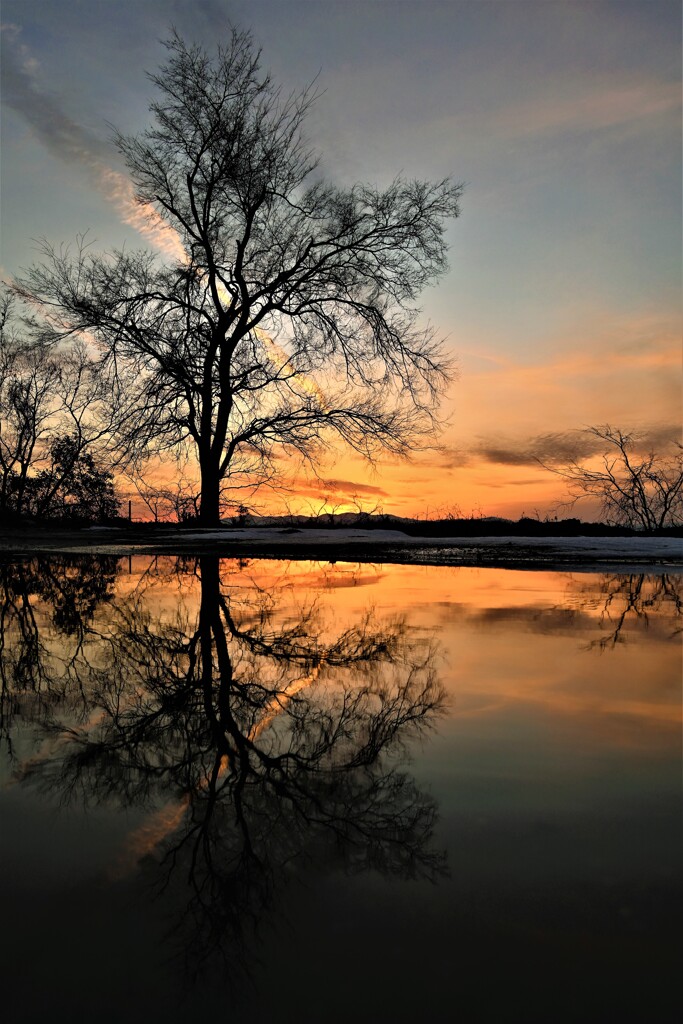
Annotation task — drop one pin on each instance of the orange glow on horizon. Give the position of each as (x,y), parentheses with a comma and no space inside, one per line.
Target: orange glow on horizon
(633,364)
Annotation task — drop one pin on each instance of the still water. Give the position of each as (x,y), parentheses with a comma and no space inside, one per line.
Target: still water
(332,792)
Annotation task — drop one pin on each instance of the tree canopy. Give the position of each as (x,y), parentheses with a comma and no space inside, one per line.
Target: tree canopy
(289,317)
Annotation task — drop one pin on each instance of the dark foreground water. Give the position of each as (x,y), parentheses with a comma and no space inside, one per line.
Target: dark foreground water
(322,793)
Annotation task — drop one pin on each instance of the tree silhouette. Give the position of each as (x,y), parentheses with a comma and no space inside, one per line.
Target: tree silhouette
(59,408)
(72,485)
(290,315)
(641,491)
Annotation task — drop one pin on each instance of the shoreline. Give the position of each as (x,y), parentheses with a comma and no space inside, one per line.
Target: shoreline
(558,553)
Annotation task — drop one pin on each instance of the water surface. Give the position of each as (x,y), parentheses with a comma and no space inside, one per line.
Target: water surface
(332,792)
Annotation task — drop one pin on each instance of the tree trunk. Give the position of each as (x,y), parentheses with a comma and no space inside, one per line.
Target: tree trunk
(209,513)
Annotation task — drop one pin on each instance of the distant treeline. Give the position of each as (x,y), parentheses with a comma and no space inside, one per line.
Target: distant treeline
(524,527)
(446,527)
(476,527)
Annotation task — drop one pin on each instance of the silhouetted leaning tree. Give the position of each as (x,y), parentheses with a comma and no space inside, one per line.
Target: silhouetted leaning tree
(289,314)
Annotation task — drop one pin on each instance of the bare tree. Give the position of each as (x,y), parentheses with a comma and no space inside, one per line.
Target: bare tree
(291,315)
(177,501)
(59,409)
(642,491)
(28,374)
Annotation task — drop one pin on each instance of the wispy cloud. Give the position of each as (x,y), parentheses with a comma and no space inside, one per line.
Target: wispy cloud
(339,488)
(662,354)
(588,105)
(624,370)
(548,449)
(555,449)
(76,146)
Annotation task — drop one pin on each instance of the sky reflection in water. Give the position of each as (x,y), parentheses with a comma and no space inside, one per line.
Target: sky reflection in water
(251,785)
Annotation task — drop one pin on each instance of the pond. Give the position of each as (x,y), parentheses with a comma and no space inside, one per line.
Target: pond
(320,792)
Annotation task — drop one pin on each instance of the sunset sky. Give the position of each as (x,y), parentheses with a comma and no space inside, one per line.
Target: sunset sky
(562,305)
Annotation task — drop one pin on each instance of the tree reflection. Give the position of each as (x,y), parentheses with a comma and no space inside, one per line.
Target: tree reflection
(39,601)
(259,741)
(629,601)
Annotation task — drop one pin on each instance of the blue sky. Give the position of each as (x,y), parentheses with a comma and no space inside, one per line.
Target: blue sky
(562,304)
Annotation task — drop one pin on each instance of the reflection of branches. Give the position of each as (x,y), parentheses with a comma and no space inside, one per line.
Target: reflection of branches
(634,597)
(39,663)
(257,741)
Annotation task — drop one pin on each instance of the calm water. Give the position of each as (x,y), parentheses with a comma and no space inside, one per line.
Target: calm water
(312,793)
